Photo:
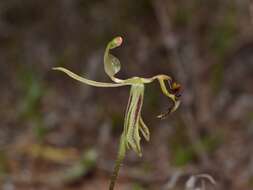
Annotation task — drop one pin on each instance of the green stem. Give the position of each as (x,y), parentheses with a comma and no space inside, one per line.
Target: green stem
(120,158)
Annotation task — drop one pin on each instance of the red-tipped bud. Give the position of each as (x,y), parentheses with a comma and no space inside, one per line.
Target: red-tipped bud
(118,40)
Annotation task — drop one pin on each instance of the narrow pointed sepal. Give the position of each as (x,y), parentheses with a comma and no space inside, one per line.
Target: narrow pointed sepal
(144,130)
(132,118)
(87,81)
(133,136)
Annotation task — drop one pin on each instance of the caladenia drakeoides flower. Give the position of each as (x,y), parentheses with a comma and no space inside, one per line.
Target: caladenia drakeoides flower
(133,122)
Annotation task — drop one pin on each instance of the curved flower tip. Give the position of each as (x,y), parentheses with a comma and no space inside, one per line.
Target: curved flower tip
(171,109)
(173,92)
(116,42)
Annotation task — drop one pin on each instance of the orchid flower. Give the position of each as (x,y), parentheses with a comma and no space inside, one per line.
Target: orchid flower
(133,122)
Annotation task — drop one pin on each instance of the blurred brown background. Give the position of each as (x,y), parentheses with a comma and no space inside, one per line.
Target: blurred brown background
(56,133)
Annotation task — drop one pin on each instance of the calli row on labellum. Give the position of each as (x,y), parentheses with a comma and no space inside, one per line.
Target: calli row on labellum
(133,123)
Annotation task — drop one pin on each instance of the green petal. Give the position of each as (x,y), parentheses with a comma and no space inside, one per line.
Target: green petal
(87,81)
(112,63)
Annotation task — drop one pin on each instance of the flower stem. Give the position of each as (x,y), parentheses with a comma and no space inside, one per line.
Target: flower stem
(120,158)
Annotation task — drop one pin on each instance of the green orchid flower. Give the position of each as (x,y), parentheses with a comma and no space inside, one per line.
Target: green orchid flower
(133,122)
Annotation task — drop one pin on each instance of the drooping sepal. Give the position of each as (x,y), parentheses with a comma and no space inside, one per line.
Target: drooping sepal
(144,130)
(133,117)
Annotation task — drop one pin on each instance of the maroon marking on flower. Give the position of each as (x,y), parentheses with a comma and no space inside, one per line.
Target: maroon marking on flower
(175,88)
(137,109)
